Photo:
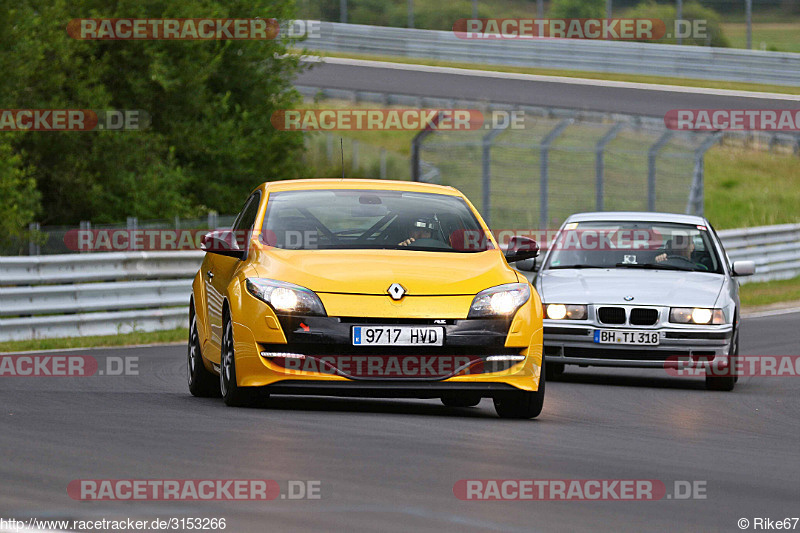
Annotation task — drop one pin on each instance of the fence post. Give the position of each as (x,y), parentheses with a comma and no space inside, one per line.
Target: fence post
(34,248)
(85,225)
(486,160)
(599,163)
(212,220)
(652,154)
(383,164)
(544,150)
(697,193)
(416,143)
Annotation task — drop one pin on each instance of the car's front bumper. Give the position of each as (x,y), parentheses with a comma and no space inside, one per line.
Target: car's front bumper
(318,357)
(679,347)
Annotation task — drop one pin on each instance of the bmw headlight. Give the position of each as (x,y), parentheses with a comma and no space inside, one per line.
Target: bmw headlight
(696,315)
(566,311)
(286,297)
(503,300)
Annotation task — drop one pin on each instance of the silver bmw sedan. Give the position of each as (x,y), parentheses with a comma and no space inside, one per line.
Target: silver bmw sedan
(652,290)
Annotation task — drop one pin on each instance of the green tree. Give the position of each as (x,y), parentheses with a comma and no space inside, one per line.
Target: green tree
(589,9)
(691,11)
(210,141)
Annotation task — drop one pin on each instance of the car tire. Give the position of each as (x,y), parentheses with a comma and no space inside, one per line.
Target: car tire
(202,382)
(232,394)
(554,371)
(522,404)
(726,383)
(463,399)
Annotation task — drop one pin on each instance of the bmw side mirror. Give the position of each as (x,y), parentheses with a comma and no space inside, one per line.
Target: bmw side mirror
(222,242)
(744,268)
(521,248)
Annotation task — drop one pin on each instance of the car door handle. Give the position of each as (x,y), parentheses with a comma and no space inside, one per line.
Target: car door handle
(210,274)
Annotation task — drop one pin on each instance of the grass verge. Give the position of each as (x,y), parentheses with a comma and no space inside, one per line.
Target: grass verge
(610,76)
(769,292)
(127,339)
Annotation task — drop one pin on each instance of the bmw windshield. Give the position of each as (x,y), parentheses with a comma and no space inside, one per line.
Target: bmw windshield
(636,245)
(369,219)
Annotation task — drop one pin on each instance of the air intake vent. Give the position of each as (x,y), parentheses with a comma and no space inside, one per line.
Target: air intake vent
(644,317)
(611,315)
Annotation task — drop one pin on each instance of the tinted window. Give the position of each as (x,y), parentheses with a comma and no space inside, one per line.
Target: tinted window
(363,219)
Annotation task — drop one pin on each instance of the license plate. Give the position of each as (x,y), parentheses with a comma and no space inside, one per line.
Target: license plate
(613,336)
(398,336)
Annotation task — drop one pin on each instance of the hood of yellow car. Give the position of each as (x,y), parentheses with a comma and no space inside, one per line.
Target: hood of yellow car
(421,273)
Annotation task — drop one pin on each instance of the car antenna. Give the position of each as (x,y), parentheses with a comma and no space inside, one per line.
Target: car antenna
(341,147)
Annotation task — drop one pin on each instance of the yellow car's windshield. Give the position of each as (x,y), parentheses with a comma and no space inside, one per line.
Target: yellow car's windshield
(364,219)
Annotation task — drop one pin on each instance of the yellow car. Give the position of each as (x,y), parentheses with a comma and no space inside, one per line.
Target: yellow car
(368,288)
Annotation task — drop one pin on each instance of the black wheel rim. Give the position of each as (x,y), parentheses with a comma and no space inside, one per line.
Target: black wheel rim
(194,347)
(226,362)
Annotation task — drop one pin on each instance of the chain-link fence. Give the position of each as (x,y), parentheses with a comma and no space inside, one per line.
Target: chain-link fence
(538,174)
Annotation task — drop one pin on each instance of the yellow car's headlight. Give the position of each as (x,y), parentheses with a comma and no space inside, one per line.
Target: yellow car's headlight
(566,311)
(286,297)
(696,315)
(503,300)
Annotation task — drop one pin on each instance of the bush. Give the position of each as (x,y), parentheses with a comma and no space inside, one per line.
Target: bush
(691,11)
(587,9)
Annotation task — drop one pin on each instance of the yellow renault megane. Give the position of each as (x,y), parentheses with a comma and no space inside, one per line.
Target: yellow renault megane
(366,288)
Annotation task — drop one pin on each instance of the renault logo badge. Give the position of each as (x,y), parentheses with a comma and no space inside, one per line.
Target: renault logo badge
(396,291)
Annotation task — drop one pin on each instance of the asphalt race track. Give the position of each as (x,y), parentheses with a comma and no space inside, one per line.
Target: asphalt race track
(390,465)
(593,95)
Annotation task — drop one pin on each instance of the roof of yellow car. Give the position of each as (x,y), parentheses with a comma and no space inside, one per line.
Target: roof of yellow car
(310,184)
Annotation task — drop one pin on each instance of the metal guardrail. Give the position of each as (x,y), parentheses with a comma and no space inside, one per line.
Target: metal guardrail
(728,64)
(774,249)
(112,293)
(94,294)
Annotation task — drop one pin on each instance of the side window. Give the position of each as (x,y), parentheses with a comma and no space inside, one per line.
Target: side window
(247,217)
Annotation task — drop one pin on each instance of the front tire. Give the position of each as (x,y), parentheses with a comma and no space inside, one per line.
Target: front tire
(522,404)
(202,383)
(726,383)
(232,394)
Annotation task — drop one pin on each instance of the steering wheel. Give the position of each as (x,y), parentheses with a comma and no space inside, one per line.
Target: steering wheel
(687,260)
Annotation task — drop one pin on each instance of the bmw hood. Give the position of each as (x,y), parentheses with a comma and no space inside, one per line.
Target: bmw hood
(647,287)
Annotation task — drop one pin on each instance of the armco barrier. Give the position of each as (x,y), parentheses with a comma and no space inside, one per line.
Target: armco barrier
(666,60)
(111,293)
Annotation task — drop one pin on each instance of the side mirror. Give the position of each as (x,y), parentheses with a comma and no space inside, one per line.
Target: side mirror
(744,268)
(222,242)
(521,248)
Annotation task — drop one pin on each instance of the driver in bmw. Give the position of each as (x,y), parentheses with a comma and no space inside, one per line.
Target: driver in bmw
(680,246)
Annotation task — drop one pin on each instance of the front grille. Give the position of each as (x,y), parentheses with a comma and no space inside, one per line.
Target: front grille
(644,317)
(631,354)
(611,315)
(566,331)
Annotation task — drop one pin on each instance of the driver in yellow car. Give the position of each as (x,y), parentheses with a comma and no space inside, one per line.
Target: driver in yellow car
(421,229)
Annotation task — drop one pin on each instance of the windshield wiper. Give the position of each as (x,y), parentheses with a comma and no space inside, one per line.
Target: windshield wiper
(652,266)
(575,266)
